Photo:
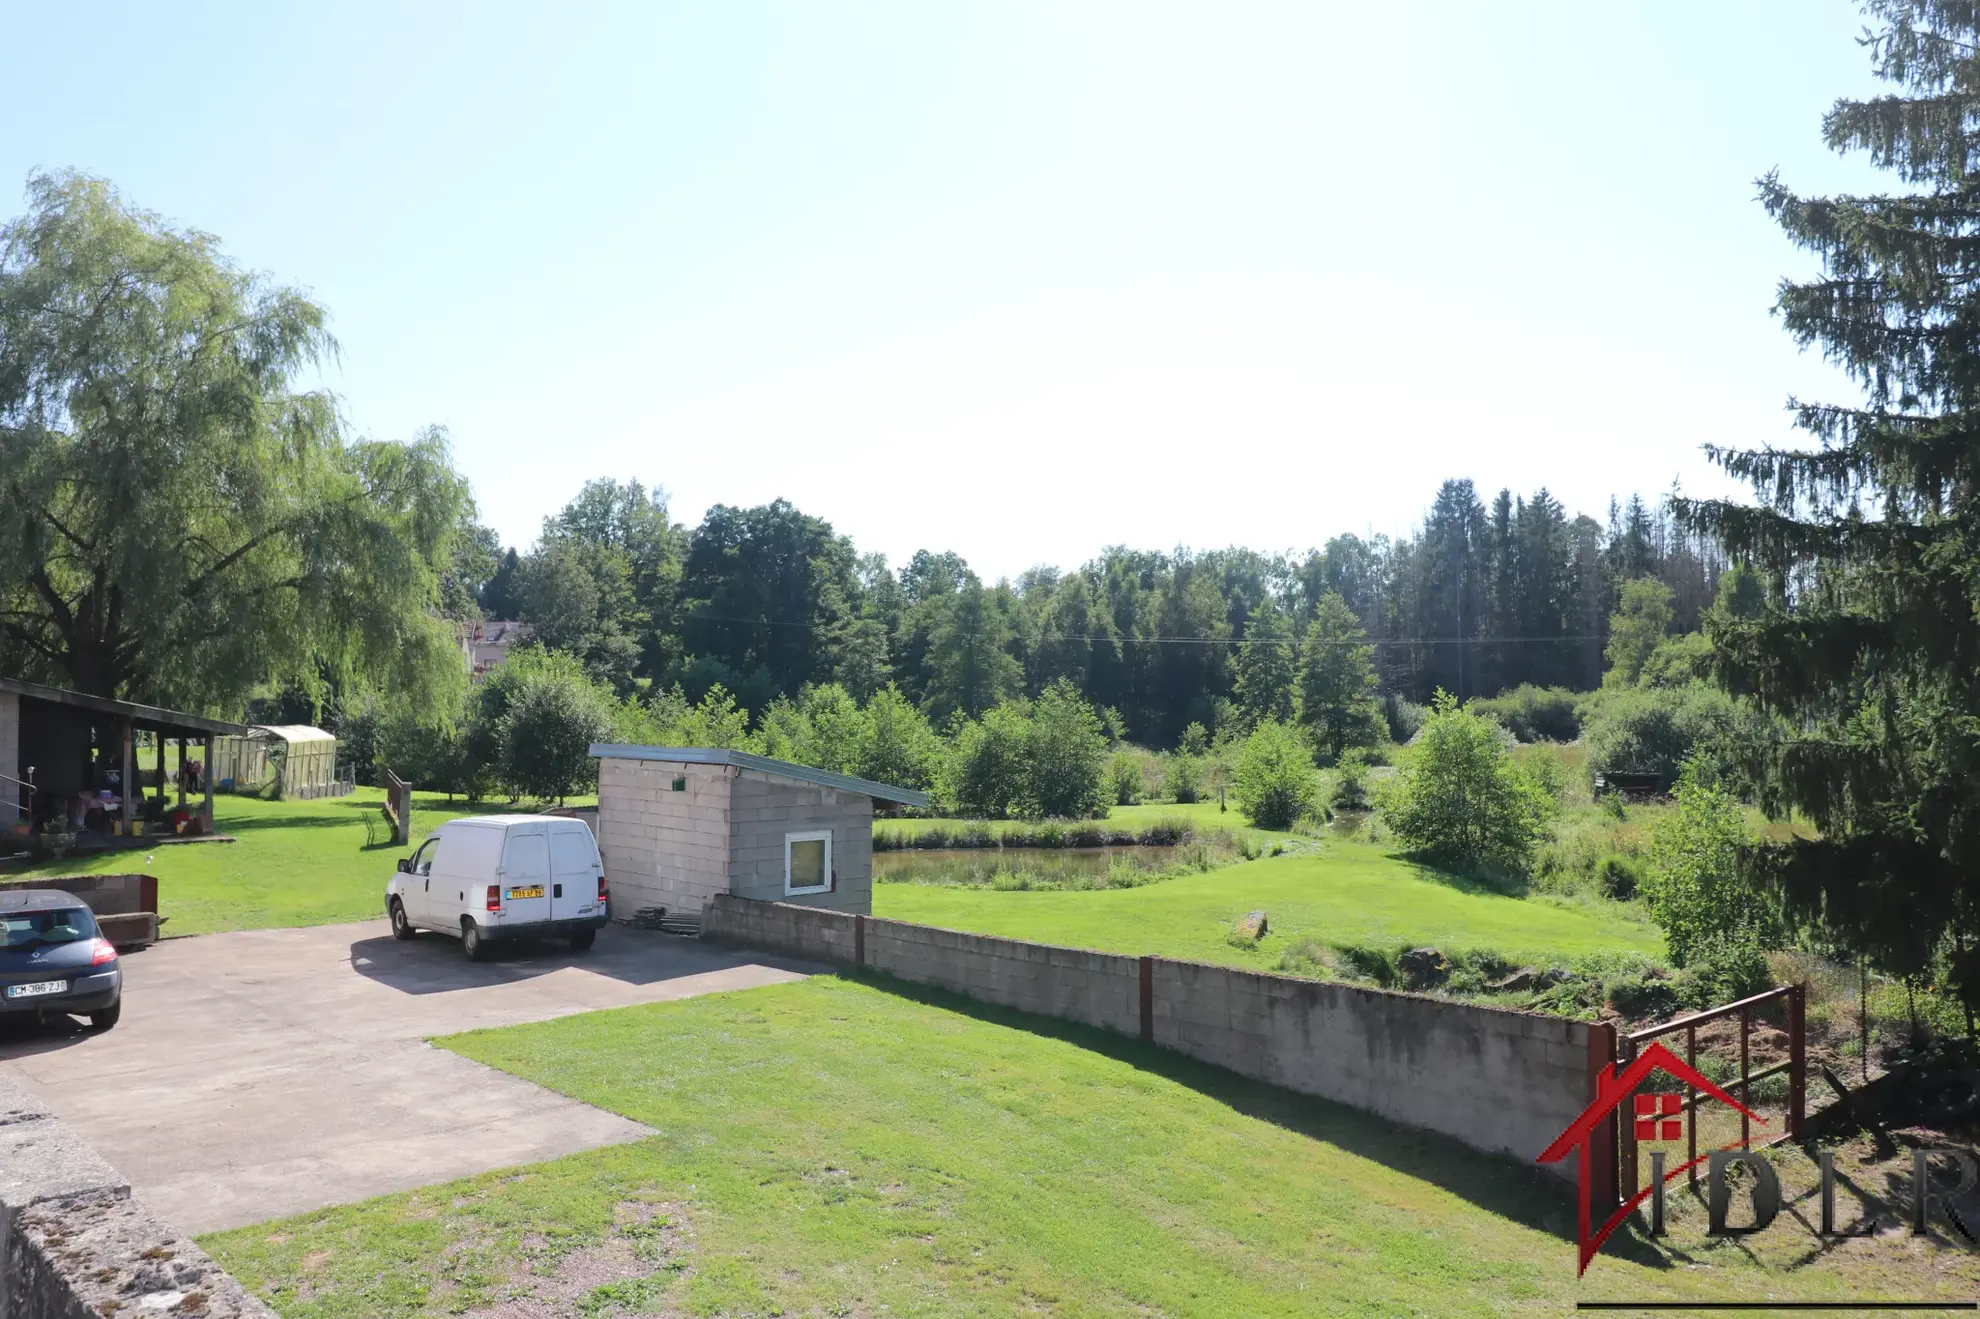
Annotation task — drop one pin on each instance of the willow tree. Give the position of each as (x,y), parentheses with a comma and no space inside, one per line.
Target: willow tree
(178,521)
(1871,651)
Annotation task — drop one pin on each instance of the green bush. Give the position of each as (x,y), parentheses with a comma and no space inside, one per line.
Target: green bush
(1185,778)
(1066,775)
(1654,730)
(1351,781)
(1275,784)
(1458,797)
(1125,772)
(989,768)
(1534,714)
(1403,716)
(547,732)
(1694,887)
(1644,997)
(1618,877)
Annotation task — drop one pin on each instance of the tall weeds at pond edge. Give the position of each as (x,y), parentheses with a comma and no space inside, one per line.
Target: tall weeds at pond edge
(1047,834)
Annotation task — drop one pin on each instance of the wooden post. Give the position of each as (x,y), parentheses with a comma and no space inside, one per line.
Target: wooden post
(1147,998)
(159,740)
(182,770)
(206,781)
(129,780)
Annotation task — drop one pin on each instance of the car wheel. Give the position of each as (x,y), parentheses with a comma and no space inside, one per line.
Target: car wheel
(583,939)
(471,941)
(401,927)
(107,1018)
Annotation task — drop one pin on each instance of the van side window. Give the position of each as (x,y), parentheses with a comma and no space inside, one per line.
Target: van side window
(428,862)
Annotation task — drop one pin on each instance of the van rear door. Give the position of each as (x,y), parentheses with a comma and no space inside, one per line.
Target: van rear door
(525,875)
(574,872)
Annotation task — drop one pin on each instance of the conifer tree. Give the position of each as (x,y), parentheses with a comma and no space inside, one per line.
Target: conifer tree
(1871,651)
(1336,677)
(1265,666)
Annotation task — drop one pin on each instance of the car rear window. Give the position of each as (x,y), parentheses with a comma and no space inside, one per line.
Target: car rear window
(58,925)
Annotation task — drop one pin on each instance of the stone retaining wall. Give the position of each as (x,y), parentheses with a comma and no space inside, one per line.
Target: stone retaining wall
(1506,1082)
(75,1245)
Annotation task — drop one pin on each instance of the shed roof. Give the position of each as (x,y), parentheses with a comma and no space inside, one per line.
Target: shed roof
(294,733)
(823,778)
(154,718)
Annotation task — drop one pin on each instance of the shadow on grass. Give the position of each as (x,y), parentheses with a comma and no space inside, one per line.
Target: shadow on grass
(1518,1192)
(1481,882)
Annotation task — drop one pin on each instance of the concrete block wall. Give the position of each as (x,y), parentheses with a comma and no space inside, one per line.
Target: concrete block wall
(1507,1082)
(663,848)
(75,1245)
(1095,989)
(1504,1082)
(763,809)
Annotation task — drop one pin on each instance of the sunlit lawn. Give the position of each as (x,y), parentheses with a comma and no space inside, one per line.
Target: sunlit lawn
(1345,893)
(296,862)
(840,1147)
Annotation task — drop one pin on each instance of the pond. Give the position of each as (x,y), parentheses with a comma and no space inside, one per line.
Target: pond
(1020,869)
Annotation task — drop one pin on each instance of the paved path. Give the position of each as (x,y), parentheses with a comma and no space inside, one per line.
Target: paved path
(270,1072)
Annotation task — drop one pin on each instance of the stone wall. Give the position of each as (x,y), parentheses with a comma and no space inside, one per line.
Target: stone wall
(663,848)
(75,1245)
(764,809)
(1505,1082)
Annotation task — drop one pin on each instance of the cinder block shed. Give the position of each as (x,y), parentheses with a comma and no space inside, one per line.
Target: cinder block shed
(677,825)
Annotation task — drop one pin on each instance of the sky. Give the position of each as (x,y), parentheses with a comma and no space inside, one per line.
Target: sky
(1018,280)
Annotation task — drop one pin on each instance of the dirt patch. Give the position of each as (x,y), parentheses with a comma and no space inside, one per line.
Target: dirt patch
(630,1272)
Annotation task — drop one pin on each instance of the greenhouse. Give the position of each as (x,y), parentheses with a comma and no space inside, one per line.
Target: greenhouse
(280,760)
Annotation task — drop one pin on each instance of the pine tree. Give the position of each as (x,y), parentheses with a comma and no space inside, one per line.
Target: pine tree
(1265,666)
(1336,677)
(1874,657)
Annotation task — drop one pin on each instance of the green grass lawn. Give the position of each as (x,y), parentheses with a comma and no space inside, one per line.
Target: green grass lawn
(1346,893)
(835,1147)
(296,862)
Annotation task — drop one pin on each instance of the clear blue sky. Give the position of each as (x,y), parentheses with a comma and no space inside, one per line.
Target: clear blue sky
(1018,280)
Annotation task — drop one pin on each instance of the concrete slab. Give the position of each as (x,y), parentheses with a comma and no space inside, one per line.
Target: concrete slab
(270,1072)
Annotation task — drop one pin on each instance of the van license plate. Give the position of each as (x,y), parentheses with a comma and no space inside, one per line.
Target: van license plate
(37,989)
(533,891)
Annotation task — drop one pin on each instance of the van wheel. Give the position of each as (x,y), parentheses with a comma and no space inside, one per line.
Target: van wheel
(401,927)
(107,1018)
(583,939)
(471,941)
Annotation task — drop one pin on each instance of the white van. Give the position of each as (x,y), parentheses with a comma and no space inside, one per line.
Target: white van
(486,878)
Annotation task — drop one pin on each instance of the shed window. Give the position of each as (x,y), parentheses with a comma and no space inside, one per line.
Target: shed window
(808,862)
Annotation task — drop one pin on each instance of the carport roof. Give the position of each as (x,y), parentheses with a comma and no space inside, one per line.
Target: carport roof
(824,778)
(155,718)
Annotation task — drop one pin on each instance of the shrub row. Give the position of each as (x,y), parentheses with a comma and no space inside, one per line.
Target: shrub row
(1049,833)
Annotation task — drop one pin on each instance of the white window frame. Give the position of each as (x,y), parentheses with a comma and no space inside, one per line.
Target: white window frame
(808,836)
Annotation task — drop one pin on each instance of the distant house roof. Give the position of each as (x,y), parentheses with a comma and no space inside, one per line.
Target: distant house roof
(153,718)
(502,632)
(824,778)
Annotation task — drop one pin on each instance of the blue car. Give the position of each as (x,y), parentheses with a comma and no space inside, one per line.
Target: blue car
(54,960)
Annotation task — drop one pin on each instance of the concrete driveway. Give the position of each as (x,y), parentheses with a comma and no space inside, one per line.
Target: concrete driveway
(270,1072)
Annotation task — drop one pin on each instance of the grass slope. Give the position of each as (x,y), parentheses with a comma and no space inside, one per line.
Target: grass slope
(1347,893)
(833,1147)
(297,862)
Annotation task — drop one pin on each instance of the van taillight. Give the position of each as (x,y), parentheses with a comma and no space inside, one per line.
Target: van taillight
(494,897)
(102,951)
(601,888)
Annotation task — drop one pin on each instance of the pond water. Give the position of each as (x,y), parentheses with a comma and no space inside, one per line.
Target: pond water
(1022,867)
(1348,824)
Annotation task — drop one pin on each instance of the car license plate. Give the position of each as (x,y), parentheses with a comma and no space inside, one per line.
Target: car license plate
(37,989)
(532,891)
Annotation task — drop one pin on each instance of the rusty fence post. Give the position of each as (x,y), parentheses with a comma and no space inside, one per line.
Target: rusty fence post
(1626,1130)
(1797,1059)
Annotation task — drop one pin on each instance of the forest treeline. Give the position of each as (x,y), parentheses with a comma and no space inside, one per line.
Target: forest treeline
(766,601)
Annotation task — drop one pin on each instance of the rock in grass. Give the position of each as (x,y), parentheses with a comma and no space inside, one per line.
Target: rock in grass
(1252,927)
(1423,968)
(1519,980)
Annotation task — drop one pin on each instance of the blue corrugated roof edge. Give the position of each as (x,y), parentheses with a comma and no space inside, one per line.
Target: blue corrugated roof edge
(824,778)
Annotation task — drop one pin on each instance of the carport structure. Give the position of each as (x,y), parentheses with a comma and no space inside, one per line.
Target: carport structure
(62,751)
